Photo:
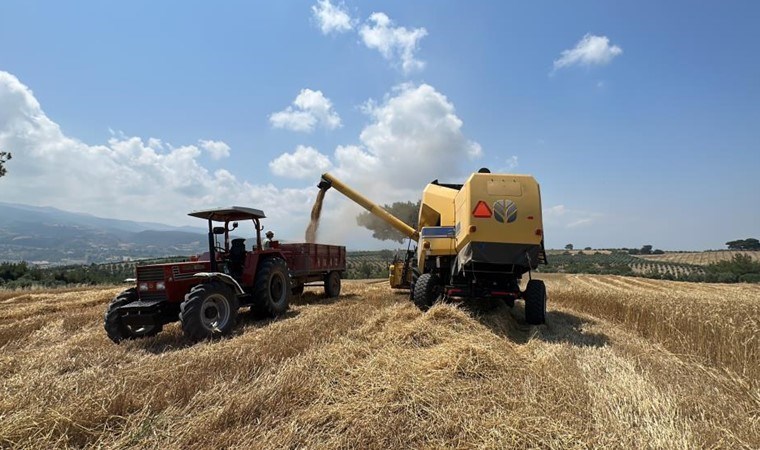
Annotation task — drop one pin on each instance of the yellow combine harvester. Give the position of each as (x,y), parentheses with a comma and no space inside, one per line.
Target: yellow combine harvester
(475,240)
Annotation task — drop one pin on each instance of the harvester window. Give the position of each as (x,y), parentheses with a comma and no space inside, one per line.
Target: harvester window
(429,217)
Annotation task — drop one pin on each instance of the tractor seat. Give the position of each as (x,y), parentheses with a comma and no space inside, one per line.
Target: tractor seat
(237,257)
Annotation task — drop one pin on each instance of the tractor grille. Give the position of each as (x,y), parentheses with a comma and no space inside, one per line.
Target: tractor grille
(150,273)
(149,296)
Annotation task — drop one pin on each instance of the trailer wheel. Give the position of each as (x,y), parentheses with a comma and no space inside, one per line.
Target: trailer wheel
(332,284)
(535,302)
(209,310)
(116,330)
(427,289)
(272,287)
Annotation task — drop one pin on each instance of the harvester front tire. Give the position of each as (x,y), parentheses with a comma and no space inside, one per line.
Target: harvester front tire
(116,330)
(272,287)
(209,310)
(427,289)
(332,284)
(535,302)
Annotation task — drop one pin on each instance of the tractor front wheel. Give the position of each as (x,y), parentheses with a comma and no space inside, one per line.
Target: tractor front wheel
(272,287)
(427,289)
(332,284)
(535,302)
(209,310)
(116,329)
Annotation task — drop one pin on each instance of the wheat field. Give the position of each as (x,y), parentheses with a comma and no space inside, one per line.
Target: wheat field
(622,363)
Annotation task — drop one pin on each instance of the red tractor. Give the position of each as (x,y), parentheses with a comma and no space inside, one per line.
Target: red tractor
(205,293)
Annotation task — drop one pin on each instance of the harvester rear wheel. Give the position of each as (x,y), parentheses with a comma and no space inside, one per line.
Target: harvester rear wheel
(535,302)
(272,287)
(427,289)
(332,284)
(209,310)
(116,329)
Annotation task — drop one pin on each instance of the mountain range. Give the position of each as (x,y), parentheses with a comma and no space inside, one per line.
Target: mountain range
(50,236)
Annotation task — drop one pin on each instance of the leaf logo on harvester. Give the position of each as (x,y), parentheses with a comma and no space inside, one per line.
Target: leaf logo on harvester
(505,210)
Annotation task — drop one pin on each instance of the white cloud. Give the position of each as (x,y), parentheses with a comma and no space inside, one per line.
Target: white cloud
(217,149)
(154,143)
(305,162)
(580,222)
(590,50)
(555,211)
(509,164)
(126,178)
(414,136)
(309,109)
(394,43)
(332,18)
(559,216)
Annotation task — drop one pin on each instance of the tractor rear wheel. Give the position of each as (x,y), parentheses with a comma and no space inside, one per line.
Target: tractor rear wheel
(427,289)
(272,287)
(535,302)
(332,284)
(209,310)
(116,329)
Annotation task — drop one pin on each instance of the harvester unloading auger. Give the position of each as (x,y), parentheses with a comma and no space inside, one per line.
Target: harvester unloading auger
(475,241)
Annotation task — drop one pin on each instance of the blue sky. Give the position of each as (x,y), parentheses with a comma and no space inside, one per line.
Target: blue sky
(648,131)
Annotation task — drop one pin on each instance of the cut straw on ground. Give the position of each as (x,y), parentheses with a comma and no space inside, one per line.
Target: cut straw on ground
(622,363)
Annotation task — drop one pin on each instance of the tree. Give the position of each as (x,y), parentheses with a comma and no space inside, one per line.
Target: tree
(734,270)
(407,212)
(569,247)
(4,157)
(587,248)
(646,250)
(744,244)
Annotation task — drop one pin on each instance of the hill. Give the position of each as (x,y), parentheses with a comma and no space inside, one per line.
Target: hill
(699,258)
(53,237)
(622,362)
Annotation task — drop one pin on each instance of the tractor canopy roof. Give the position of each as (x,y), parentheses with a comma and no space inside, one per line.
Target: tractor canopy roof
(229,214)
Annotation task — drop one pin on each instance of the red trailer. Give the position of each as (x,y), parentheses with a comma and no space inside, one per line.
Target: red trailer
(205,293)
(315,263)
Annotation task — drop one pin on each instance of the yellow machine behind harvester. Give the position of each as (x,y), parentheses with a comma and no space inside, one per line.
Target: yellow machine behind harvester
(475,240)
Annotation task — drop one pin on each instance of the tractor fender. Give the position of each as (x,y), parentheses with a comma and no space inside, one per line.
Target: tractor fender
(224,278)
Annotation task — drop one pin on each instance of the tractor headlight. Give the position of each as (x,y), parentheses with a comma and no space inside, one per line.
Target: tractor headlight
(160,285)
(143,286)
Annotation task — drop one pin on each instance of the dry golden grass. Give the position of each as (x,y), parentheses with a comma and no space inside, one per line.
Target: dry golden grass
(370,371)
(717,324)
